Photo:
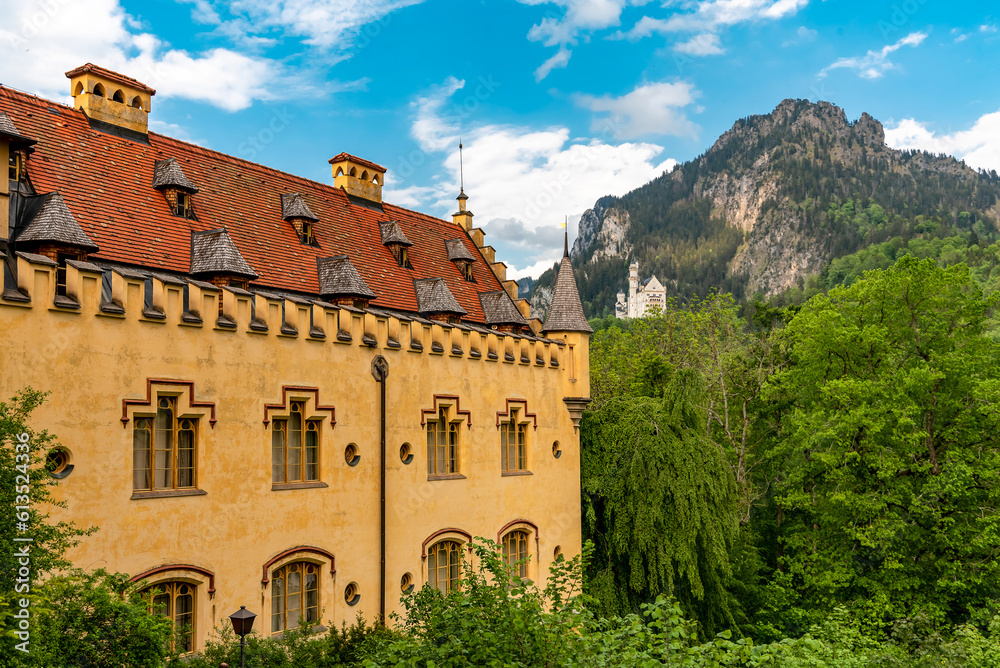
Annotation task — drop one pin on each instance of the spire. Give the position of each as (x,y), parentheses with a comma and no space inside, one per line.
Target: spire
(461,169)
(566,238)
(566,312)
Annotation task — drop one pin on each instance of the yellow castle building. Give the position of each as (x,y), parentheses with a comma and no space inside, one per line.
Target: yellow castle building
(273,392)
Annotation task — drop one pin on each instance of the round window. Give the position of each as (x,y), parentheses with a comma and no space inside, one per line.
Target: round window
(351,455)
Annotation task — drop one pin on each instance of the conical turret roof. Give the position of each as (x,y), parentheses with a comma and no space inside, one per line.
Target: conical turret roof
(566,312)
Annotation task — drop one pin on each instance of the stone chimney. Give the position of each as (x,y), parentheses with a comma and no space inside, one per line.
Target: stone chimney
(111,98)
(358,177)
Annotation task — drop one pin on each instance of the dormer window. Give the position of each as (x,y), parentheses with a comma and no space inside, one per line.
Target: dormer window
(463,259)
(295,210)
(14,166)
(402,256)
(169,178)
(306,236)
(183,208)
(397,243)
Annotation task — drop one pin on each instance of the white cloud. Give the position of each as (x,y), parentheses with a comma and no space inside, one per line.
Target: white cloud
(711,15)
(557,61)
(330,25)
(978,146)
(875,64)
(522,176)
(649,109)
(705,44)
(802,35)
(580,18)
(987,28)
(45,43)
(708,18)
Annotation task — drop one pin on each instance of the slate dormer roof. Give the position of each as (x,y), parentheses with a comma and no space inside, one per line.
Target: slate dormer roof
(294,206)
(51,221)
(392,233)
(566,312)
(458,251)
(500,309)
(213,252)
(339,278)
(9,130)
(433,296)
(167,173)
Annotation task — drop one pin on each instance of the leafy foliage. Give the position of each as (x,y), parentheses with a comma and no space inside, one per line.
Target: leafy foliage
(886,447)
(303,647)
(649,472)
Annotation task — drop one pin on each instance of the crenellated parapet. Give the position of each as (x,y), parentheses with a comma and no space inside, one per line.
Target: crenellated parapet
(152,299)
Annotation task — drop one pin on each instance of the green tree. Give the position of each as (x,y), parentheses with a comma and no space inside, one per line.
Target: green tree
(887,448)
(660,503)
(25,503)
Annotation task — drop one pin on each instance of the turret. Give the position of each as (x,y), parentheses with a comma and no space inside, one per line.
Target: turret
(566,322)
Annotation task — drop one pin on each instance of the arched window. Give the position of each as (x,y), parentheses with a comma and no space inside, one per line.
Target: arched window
(78,89)
(99,90)
(136,102)
(516,551)
(294,595)
(375,179)
(163,449)
(514,444)
(295,447)
(340,171)
(444,565)
(442,444)
(364,175)
(175,601)
(354,171)
(119,96)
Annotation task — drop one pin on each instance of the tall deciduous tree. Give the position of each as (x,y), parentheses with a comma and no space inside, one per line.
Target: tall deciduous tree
(888,446)
(661,502)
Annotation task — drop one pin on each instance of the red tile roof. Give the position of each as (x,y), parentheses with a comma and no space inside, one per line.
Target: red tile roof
(110,74)
(361,161)
(106,181)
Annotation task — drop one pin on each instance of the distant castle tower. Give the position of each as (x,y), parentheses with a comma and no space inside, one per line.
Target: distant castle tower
(641,297)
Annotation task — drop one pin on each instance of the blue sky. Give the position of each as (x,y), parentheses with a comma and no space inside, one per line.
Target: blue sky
(558,102)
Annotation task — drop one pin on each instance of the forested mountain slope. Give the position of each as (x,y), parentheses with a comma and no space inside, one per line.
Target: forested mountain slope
(773,202)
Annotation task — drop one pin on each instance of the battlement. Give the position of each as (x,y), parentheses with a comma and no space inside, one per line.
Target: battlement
(132,296)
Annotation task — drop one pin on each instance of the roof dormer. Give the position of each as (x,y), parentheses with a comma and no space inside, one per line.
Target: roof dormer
(215,258)
(460,255)
(169,178)
(394,239)
(111,98)
(436,301)
(358,177)
(295,210)
(340,282)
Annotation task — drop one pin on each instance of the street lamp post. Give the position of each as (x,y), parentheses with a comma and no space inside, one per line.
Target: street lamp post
(242,621)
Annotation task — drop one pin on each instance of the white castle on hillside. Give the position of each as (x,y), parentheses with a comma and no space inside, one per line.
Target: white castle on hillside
(642,297)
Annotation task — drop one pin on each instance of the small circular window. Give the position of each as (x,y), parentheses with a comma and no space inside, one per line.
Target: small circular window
(351,455)
(556,450)
(406,583)
(351,594)
(406,453)
(57,462)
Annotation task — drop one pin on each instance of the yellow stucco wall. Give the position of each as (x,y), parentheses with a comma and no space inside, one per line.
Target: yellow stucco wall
(91,362)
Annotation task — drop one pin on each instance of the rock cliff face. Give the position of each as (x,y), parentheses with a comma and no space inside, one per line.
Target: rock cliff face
(753,215)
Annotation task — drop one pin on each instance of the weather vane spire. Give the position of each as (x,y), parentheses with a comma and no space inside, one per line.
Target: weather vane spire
(565,227)
(461,168)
